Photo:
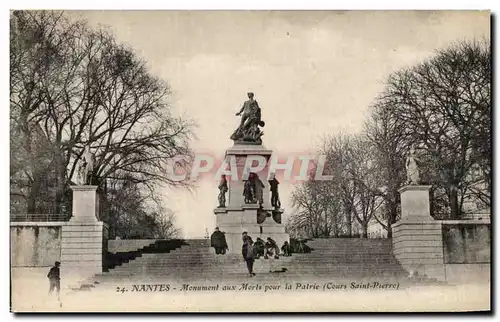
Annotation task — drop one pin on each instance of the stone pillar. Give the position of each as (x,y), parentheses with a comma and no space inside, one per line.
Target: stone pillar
(241,152)
(84,238)
(417,238)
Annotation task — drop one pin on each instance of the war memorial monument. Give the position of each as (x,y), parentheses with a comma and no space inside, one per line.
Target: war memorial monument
(251,206)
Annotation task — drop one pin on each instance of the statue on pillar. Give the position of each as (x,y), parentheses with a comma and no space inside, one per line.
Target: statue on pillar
(259,190)
(273,186)
(86,167)
(412,171)
(222,191)
(248,130)
(79,173)
(248,191)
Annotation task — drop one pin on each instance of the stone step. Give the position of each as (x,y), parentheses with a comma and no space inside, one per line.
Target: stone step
(194,260)
(328,249)
(175,274)
(215,259)
(387,260)
(330,266)
(300,274)
(290,264)
(195,274)
(265,268)
(181,252)
(347,240)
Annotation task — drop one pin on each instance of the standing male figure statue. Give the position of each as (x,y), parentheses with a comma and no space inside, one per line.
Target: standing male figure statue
(273,186)
(222,191)
(248,130)
(86,167)
(247,109)
(258,188)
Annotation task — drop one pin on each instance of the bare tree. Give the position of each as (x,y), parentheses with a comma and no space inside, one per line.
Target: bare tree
(77,87)
(362,172)
(387,136)
(308,207)
(326,207)
(166,228)
(444,105)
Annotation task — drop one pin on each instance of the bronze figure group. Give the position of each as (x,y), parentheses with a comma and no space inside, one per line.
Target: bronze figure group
(248,130)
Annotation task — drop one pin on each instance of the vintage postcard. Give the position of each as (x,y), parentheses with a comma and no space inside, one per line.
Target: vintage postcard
(250,161)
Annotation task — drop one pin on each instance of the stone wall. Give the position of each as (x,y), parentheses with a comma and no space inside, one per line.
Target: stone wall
(455,251)
(35,244)
(467,251)
(84,246)
(448,250)
(466,243)
(418,247)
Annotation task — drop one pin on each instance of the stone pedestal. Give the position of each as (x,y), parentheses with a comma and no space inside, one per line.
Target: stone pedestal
(241,152)
(83,239)
(238,217)
(415,203)
(417,238)
(85,204)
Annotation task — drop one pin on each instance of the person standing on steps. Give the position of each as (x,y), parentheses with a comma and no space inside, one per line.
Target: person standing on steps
(247,252)
(218,241)
(55,279)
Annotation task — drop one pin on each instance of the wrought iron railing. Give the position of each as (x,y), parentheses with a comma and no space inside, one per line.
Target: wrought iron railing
(39,217)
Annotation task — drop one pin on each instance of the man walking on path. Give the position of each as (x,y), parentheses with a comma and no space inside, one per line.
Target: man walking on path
(218,241)
(247,252)
(55,279)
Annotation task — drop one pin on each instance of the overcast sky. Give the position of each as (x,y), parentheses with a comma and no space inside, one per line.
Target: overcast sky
(313,73)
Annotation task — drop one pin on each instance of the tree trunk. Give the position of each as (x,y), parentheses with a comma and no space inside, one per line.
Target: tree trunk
(34,198)
(335,226)
(365,230)
(453,197)
(59,194)
(327,232)
(31,201)
(393,213)
(348,217)
(60,174)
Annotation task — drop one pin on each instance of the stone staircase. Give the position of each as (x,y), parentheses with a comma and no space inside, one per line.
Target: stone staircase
(193,261)
(349,258)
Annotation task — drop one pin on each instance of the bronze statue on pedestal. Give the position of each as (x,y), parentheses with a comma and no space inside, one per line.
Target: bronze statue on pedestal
(222,191)
(249,130)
